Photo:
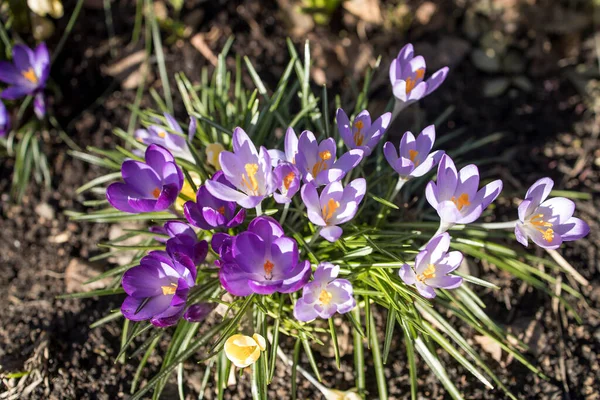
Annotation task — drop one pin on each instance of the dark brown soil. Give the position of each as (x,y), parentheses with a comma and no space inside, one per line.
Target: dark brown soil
(550,130)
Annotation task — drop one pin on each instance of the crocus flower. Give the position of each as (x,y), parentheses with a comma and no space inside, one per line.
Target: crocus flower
(150,186)
(184,240)
(4,120)
(289,177)
(264,261)
(317,161)
(158,134)
(248,170)
(432,266)
(455,195)
(548,222)
(362,134)
(43,7)
(244,350)
(210,212)
(413,158)
(325,295)
(158,288)
(213,151)
(406,75)
(222,243)
(336,205)
(198,312)
(290,147)
(27,75)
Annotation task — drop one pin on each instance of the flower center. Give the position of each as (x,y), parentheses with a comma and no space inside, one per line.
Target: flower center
(329,209)
(412,82)
(169,289)
(268,267)
(287,181)
(325,297)
(427,274)
(161,134)
(359,137)
(249,178)
(321,165)
(539,224)
(30,76)
(156,193)
(463,200)
(221,210)
(412,154)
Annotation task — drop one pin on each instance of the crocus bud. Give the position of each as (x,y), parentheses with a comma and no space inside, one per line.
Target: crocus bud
(244,350)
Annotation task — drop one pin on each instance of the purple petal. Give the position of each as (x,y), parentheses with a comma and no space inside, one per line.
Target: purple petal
(562,209)
(249,252)
(118,195)
(539,191)
(297,278)
(152,307)
(310,197)
(407,275)
(343,124)
(304,312)
(520,234)
(445,282)
(224,192)
(234,280)
(198,312)
(331,233)
(326,272)
(436,80)
(39,105)
(425,290)
(15,92)
(573,229)
(447,179)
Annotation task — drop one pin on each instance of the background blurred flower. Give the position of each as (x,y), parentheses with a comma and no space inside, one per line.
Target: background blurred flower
(548,222)
(209,212)
(455,195)
(325,295)
(362,134)
(244,350)
(247,170)
(406,75)
(150,186)
(290,146)
(4,120)
(432,266)
(27,75)
(336,205)
(213,151)
(288,177)
(317,161)
(198,312)
(158,288)
(157,134)
(44,7)
(413,158)
(264,261)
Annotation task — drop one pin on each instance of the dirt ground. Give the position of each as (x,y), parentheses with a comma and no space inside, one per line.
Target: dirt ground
(540,89)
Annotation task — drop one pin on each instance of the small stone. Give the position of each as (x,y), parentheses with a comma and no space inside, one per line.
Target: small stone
(78,272)
(44,210)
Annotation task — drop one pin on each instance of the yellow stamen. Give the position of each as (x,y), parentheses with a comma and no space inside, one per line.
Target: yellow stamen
(30,75)
(538,223)
(156,193)
(429,273)
(221,210)
(463,200)
(325,297)
(287,181)
(321,165)
(268,267)
(329,209)
(140,140)
(170,289)
(412,154)
(161,134)
(250,180)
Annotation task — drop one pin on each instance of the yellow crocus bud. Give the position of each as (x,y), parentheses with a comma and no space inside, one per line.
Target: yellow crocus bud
(188,191)
(244,350)
(43,7)
(212,154)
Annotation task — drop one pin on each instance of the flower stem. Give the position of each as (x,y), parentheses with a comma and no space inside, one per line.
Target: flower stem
(314,237)
(498,225)
(397,189)
(441,229)
(258,210)
(286,208)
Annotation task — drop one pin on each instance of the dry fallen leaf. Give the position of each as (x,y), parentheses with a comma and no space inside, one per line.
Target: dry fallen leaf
(490,346)
(366,10)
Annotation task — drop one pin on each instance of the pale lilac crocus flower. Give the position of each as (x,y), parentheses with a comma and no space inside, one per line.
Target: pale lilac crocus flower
(362,134)
(317,161)
(455,195)
(290,146)
(325,295)
(432,266)
(407,73)
(248,170)
(159,134)
(336,205)
(414,157)
(547,222)
(288,177)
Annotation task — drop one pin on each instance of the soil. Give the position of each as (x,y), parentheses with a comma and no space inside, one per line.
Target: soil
(550,128)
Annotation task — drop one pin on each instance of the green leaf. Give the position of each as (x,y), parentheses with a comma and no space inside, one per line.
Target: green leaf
(437,368)
(377,362)
(336,347)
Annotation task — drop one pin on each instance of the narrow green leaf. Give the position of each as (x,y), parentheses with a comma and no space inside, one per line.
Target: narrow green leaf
(334,340)
(437,368)
(377,362)
(309,354)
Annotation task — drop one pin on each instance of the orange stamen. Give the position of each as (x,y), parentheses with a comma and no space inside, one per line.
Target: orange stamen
(429,273)
(221,210)
(412,154)
(171,289)
(321,165)
(156,193)
(463,200)
(161,134)
(268,267)
(30,75)
(329,209)
(538,223)
(325,297)
(287,181)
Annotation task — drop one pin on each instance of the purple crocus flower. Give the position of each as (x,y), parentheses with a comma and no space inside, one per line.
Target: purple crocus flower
(362,134)
(150,186)
(289,177)
(222,243)
(548,222)
(432,266)
(210,212)
(184,240)
(248,170)
(406,75)
(198,312)
(290,147)
(325,295)
(317,161)
(27,75)
(263,261)
(4,120)
(413,158)
(455,195)
(336,205)
(158,288)
(158,134)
